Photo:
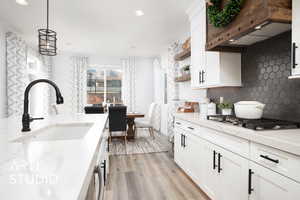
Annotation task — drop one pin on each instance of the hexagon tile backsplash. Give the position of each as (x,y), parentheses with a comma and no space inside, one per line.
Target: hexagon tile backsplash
(265,70)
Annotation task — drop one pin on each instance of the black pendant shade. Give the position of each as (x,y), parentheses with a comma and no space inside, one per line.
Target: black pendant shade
(47,39)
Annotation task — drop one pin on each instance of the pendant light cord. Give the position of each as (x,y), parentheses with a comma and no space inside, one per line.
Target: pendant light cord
(47,15)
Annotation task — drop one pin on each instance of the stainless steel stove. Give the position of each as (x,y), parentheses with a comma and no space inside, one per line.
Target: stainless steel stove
(255,124)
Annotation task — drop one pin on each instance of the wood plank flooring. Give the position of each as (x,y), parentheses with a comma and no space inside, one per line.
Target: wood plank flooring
(152,176)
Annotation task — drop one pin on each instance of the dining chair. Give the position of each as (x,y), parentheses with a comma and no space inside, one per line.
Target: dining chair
(94,109)
(148,123)
(117,116)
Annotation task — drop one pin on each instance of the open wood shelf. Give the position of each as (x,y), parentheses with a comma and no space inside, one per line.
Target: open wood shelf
(183,78)
(183,55)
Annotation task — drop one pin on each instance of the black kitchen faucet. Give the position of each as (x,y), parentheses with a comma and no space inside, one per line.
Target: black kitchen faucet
(26,119)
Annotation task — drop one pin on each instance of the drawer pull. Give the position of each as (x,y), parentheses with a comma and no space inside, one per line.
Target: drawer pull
(178,123)
(214,160)
(191,128)
(250,189)
(270,159)
(219,163)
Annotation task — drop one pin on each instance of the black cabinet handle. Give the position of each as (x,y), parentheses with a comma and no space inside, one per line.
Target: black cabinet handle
(219,163)
(294,55)
(270,159)
(103,166)
(250,189)
(203,72)
(178,123)
(181,140)
(214,160)
(200,77)
(184,137)
(191,128)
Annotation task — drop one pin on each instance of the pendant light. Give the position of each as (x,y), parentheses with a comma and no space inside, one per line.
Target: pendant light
(47,39)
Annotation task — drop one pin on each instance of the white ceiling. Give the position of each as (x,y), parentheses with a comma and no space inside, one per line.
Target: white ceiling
(102,27)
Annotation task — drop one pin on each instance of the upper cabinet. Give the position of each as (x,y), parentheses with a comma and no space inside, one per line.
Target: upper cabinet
(295,40)
(210,69)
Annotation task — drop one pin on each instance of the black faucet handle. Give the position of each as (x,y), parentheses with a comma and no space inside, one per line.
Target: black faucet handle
(37,118)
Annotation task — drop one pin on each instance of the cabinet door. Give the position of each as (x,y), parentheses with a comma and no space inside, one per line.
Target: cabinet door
(212,68)
(210,174)
(195,56)
(233,176)
(178,148)
(296,37)
(195,159)
(269,185)
(198,41)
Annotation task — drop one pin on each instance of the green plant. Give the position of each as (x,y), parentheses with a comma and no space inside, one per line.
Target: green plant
(225,105)
(186,68)
(222,17)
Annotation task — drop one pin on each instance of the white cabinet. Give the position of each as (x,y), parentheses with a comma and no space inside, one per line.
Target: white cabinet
(296,39)
(223,69)
(225,174)
(267,184)
(198,37)
(187,154)
(210,69)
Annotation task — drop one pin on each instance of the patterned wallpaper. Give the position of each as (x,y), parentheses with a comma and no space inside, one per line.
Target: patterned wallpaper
(265,70)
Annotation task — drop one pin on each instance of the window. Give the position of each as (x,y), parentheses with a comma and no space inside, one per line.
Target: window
(104,86)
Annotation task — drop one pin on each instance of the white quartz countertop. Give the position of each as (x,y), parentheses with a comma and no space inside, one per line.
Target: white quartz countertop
(47,169)
(286,140)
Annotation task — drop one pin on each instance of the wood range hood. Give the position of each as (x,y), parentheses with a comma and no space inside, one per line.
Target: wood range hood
(257,21)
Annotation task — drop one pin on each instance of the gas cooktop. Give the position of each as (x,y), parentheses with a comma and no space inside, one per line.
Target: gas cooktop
(255,124)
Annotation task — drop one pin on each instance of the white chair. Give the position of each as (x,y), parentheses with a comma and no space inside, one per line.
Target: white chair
(148,123)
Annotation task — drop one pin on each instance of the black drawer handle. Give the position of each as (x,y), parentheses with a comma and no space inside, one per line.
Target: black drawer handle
(184,137)
(250,189)
(191,128)
(294,55)
(219,163)
(214,160)
(270,159)
(103,166)
(178,123)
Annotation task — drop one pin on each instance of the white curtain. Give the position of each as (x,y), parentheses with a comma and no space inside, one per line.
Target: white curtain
(129,83)
(78,97)
(16,63)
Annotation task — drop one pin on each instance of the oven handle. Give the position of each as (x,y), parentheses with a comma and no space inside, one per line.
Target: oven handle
(97,171)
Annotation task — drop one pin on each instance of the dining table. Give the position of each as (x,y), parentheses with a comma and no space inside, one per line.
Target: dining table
(130,122)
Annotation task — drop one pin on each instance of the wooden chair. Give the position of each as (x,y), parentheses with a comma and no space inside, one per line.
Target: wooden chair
(117,116)
(148,123)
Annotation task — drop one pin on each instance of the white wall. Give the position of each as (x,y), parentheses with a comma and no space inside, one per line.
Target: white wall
(3,98)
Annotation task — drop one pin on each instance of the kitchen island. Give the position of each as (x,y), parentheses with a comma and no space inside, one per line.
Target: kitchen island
(37,165)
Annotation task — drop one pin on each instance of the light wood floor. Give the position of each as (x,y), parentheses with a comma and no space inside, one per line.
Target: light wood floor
(149,177)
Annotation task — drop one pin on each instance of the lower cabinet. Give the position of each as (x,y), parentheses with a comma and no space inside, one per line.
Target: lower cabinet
(225,174)
(266,184)
(221,174)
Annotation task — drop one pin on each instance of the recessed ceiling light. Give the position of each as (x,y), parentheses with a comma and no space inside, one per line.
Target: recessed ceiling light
(139,13)
(22,2)
(232,40)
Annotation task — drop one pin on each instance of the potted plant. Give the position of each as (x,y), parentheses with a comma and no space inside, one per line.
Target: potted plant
(226,108)
(186,69)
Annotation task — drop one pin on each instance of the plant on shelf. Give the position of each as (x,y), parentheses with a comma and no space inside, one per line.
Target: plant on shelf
(186,68)
(226,108)
(222,17)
